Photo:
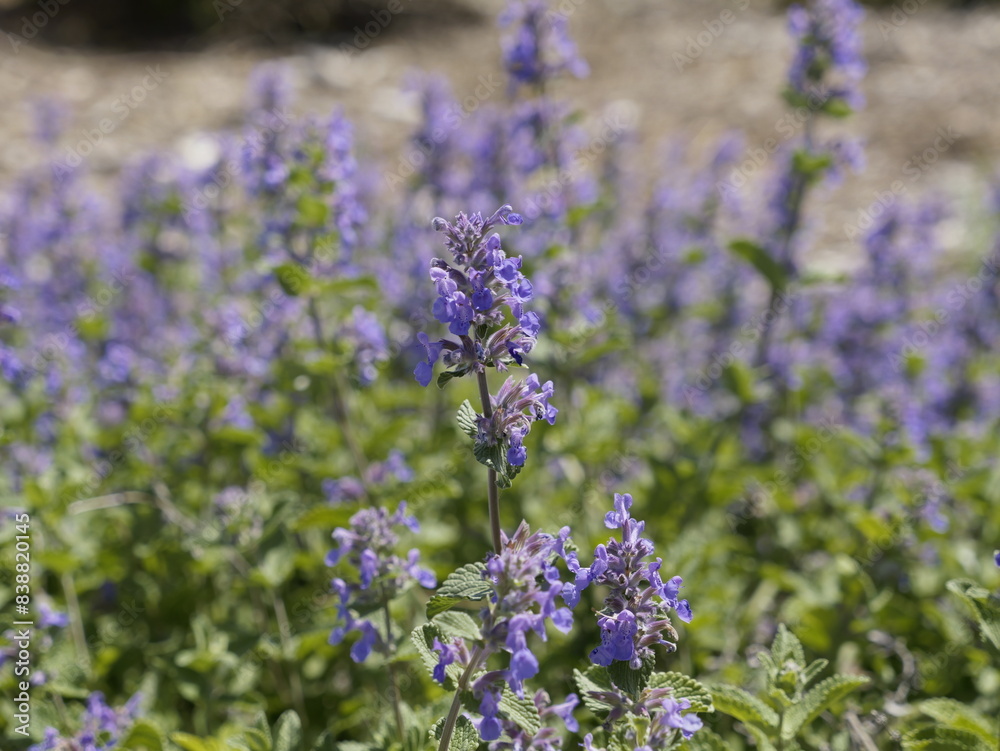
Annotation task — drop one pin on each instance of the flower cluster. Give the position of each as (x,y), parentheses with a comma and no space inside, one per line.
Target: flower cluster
(103,727)
(538,47)
(635,614)
(547,738)
(663,715)
(369,546)
(516,405)
(526,590)
(829,42)
(472,293)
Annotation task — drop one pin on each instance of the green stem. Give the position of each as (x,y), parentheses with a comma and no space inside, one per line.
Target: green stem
(493,492)
(456,704)
(340,411)
(393,682)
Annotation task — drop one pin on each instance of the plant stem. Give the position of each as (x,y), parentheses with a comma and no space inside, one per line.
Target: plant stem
(76,621)
(492,490)
(456,704)
(396,698)
(340,411)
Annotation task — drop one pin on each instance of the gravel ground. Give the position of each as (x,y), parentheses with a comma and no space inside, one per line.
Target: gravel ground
(932,72)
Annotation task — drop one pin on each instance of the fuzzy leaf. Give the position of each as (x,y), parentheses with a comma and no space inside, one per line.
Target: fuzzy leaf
(818,699)
(957,715)
(985,606)
(813,670)
(595,679)
(494,456)
(465,737)
(467,418)
(423,640)
(705,740)
(288,732)
(684,687)
(522,712)
(934,738)
(466,583)
(745,707)
(457,626)
(628,680)
(786,647)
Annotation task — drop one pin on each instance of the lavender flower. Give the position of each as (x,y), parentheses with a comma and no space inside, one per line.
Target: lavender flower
(538,47)
(516,405)
(635,616)
(663,717)
(829,44)
(102,727)
(369,545)
(547,738)
(472,297)
(527,588)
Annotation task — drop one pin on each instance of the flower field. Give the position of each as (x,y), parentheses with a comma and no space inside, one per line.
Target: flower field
(523,441)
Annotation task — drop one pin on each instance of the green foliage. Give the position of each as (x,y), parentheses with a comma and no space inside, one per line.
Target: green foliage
(466,584)
(492,455)
(785,706)
(985,607)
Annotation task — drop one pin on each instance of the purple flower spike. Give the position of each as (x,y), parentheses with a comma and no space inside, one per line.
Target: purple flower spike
(635,616)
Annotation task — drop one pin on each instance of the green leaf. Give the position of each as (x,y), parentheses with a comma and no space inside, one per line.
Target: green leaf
(325,742)
(521,712)
(595,679)
(813,670)
(462,585)
(985,607)
(705,740)
(960,716)
(288,732)
(313,212)
(446,376)
(494,456)
(936,738)
(817,700)
(762,261)
(143,736)
(745,707)
(293,278)
(457,626)
(465,737)
(467,418)
(787,647)
(423,641)
(190,742)
(684,687)
(628,680)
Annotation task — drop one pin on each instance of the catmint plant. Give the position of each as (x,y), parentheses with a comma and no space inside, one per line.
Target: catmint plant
(102,727)
(482,297)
